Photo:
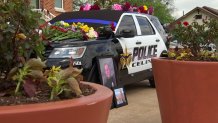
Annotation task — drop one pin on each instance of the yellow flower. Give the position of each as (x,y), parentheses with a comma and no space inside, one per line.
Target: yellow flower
(85,28)
(66,24)
(79,24)
(74,25)
(20,36)
(183,54)
(55,69)
(145,7)
(172,54)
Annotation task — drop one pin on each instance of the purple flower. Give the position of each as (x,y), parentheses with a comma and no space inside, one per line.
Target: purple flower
(150,10)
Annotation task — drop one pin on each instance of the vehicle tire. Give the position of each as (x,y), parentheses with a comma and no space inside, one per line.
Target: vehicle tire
(152,82)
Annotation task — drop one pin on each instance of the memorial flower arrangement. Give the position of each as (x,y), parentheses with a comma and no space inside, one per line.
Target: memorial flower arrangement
(195,39)
(120,7)
(62,30)
(88,7)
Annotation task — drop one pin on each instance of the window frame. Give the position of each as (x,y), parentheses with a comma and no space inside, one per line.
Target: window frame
(121,18)
(59,9)
(150,25)
(39,4)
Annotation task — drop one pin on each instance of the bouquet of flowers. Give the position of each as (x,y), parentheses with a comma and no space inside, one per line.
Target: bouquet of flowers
(62,30)
(128,7)
(120,7)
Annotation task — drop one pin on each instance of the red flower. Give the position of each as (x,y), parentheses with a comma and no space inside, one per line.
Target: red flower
(126,6)
(85,37)
(95,7)
(43,25)
(81,8)
(112,26)
(150,10)
(185,23)
(142,10)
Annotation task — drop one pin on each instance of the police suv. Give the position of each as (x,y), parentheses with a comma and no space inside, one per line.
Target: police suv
(135,40)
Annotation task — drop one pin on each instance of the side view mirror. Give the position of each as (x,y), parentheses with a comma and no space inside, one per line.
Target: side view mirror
(106,32)
(126,33)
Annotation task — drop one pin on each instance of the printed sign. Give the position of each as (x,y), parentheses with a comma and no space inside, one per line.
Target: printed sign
(143,55)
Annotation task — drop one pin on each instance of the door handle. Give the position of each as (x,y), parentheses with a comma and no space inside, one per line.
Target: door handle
(157,40)
(138,42)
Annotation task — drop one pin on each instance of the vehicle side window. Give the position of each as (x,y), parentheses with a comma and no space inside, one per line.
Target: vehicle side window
(158,25)
(146,28)
(127,22)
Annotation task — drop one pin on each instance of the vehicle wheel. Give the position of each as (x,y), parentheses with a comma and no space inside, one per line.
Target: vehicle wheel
(152,82)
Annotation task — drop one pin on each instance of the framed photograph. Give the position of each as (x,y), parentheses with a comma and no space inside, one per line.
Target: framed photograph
(107,71)
(120,97)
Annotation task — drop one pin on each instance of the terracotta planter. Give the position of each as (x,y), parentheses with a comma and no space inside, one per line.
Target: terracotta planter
(187,91)
(89,109)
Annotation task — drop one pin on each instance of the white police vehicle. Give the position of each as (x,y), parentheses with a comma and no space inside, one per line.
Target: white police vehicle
(132,45)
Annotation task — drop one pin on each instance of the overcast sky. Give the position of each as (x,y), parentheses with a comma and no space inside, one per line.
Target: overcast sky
(188,5)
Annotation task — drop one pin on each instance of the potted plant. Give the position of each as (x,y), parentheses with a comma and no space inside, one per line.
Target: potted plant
(186,81)
(24,79)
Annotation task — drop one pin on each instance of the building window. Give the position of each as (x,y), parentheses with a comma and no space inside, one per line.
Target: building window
(198,16)
(59,4)
(35,4)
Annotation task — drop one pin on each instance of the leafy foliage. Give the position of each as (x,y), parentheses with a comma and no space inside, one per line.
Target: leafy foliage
(18,36)
(18,41)
(194,37)
(27,75)
(63,81)
(60,81)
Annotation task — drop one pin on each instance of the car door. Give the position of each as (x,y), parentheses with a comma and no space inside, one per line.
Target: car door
(129,43)
(149,40)
(143,46)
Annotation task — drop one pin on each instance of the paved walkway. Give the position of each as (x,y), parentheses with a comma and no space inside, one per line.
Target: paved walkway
(142,106)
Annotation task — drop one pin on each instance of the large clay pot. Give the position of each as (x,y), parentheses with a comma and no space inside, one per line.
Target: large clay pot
(88,109)
(187,90)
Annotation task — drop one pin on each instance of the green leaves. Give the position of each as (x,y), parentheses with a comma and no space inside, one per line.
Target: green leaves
(27,76)
(16,17)
(197,36)
(63,80)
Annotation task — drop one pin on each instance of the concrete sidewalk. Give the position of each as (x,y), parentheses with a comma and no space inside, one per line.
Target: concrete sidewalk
(142,106)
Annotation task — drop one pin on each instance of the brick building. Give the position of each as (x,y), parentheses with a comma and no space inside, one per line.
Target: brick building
(54,7)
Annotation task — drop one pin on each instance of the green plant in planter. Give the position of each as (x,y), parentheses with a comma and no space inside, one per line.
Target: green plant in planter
(32,74)
(28,76)
(19,39)
(194,37)
(24,77)
(64,81)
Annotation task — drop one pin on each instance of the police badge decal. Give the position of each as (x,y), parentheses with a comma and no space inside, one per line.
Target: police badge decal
(125,59)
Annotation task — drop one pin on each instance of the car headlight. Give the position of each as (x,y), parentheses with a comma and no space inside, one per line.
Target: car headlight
(74,52)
